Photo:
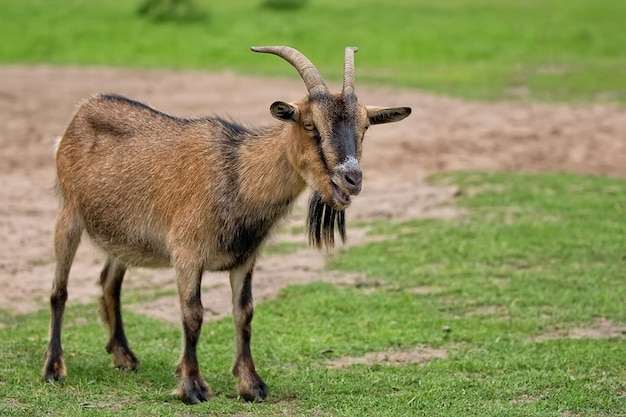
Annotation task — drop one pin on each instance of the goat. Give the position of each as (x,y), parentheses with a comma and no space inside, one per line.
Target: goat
(154,190)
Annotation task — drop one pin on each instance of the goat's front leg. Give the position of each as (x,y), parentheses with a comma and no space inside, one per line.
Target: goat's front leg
(191,387)
(249,384)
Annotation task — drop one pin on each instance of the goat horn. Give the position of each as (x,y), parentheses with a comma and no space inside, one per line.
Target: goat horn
(348,70)
(310,75)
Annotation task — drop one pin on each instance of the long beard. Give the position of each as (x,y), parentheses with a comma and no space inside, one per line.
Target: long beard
(321,222)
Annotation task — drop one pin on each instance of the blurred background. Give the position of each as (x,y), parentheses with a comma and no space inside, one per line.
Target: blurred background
(557,50)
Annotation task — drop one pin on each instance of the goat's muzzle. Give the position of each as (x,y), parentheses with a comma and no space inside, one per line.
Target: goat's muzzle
(343,189)
(345,182)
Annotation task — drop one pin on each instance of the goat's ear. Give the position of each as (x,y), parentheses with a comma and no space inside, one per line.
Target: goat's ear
(378,115)
(285,111)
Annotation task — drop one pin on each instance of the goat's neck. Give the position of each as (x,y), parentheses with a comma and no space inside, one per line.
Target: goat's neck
(267,173)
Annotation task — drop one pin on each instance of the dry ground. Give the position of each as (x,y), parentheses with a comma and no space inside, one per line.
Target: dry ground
(442,134)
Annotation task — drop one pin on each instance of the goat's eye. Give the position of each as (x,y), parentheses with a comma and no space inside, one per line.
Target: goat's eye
(308,126)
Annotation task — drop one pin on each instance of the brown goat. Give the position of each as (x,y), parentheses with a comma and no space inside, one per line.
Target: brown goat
(153,190)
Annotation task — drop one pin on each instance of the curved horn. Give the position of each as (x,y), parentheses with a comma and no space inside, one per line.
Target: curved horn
(310,75)
(348,70)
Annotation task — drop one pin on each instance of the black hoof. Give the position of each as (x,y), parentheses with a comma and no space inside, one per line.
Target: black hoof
(193,390)
(256,391)
(52,376)
(124,358)
(54,368)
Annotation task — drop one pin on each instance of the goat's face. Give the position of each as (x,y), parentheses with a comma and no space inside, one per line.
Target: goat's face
(329,130)
(327,146)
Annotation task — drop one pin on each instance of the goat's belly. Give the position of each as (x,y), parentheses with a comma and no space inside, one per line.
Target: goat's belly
(137,254)
(141,254)
(144,259)
(220,262)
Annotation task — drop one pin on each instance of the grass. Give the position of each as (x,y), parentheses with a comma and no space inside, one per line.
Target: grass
(481,49)
(536,255)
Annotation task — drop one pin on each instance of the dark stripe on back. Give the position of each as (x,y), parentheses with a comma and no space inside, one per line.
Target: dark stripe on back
(121,99)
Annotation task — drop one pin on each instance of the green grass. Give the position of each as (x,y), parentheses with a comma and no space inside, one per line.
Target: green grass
(487,49)
(535,254)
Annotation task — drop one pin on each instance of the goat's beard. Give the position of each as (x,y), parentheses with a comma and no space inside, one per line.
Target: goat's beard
(321,221)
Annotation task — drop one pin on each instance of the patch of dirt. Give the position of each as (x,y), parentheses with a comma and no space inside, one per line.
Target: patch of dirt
(568,413)
(602,328)
(442,134)
(526,398)
(420,355)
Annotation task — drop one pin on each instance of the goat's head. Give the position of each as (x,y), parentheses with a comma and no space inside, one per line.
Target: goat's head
(329,128)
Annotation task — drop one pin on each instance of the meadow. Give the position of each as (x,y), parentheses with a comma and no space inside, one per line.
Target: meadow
(481,49)
(513,308)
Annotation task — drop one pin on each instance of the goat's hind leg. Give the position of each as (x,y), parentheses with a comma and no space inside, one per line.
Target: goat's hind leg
(111,279)
(249,384)
(66,239)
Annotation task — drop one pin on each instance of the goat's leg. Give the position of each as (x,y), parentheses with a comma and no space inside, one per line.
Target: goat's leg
(249,384)
(66,239)
(111,279)
(191,387)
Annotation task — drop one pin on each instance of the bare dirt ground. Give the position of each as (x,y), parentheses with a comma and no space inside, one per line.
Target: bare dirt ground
(442,134)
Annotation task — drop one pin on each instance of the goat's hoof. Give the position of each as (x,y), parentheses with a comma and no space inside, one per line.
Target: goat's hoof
(54,370)
(193,390)
(253,389)
(124,358)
